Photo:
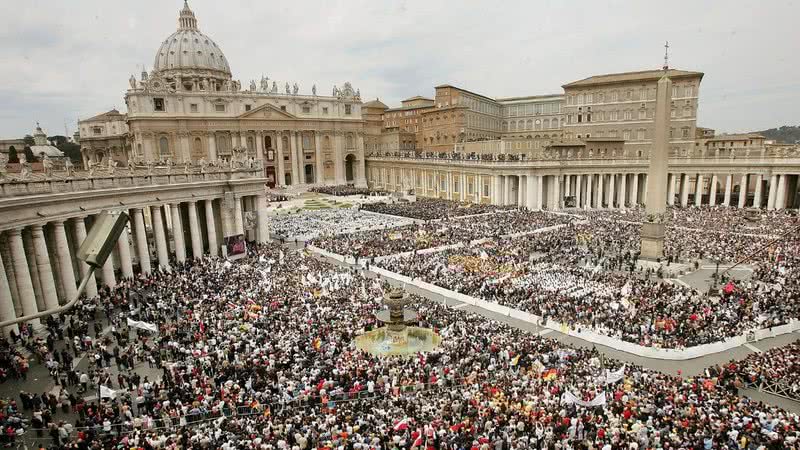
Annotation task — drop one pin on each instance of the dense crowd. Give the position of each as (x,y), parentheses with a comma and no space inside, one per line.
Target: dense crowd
(780,365)
(587,278)
(272,338)
(305,224)
(343,190)
(452,231)
(432,208)
(720,219)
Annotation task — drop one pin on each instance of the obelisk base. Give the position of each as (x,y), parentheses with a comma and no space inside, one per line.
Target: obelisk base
(652,241)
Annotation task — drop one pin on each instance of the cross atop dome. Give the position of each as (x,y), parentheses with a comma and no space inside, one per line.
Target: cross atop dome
(187,21)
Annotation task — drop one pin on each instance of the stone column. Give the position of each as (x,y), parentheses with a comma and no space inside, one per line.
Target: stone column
(124,252)
(30,252)
(7,311)
(161,239)
(212,147)
(728,181)
(712,191)
(773,190)
(611,187)
(520,192)
(23,275)
(260,146)
(757,194)
(539,191)
(621,200)
(293,157)
(177,232)
(140,234)
(462,186)
(530,187)
(238,222)
(46,279)
(183,139)
(507,192)
(578,192)
(557,196)
(600,187)
(780,198)
(671,190)
(194,230)
(211,228)
(635,189)
(281,170)
(743,191)
(65,261)
(698,190)
(109,279)
(478,189)
(320,164)
(5,253)
(684,190)
(361,173)
(587,199)
(263,219)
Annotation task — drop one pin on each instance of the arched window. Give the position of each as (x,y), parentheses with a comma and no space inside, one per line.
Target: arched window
(267,141)
(539,124)
(349,141)
(163,147)
(530,125)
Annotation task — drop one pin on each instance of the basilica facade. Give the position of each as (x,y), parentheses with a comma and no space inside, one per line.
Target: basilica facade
(189,109)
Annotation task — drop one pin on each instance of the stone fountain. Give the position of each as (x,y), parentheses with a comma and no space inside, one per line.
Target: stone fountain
(396,338)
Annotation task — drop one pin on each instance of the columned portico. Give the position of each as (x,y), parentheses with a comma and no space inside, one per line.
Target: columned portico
(46,279)
(211,228)
(698,190)
(177,233)
(79,227)
(23,276)
(743,191)
(194,230)
(758,191)
(142,249)
(728,184)
(161,240)
(64,261)
(671,189)
(712,191)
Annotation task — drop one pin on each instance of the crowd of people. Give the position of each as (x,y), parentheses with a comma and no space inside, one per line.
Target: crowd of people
(344,190)
(451,231)
(432,208)
(587,277)
(778,366)
(260,355)
(307,224)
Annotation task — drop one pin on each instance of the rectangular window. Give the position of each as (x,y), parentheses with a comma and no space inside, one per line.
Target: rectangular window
(306,109)
(614,96)
(193,107)
(580,118)
(347,109)
(685,133)
(485,190)
(158,104)
(628,115)
(640,135)
(324,110)
(470,188)
(283,107)
(219,108)
(247,107)
(626,135)
(689,91)
(642,114)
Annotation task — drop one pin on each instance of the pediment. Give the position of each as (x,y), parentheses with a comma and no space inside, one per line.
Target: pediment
(267,111)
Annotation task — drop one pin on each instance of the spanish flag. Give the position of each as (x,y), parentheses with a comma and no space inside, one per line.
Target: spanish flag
(317,344)
(550,375)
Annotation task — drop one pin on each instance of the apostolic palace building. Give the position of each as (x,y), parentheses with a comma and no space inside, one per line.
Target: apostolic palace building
(190,158)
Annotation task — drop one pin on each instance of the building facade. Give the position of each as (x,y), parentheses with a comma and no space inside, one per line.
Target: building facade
(190,108)
(622,106)
(104,136)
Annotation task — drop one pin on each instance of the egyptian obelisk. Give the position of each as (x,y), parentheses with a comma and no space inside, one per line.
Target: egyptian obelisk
(656,201)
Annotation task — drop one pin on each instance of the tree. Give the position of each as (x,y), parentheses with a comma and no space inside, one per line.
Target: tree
(29,156)
(29,140)
(12,155)
(57,140)
(72,150)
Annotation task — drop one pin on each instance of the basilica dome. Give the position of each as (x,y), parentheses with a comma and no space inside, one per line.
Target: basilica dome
(189,52)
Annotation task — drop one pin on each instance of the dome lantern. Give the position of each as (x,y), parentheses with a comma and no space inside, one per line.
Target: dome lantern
(187,21)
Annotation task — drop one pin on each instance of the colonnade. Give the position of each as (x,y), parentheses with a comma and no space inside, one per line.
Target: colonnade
(771,191)
(621,190)
(603,190)
(39,269)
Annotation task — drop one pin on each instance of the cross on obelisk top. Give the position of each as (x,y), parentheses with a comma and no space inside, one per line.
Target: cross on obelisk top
(666,55)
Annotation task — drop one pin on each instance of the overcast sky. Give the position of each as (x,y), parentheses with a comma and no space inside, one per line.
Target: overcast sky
(67,59)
